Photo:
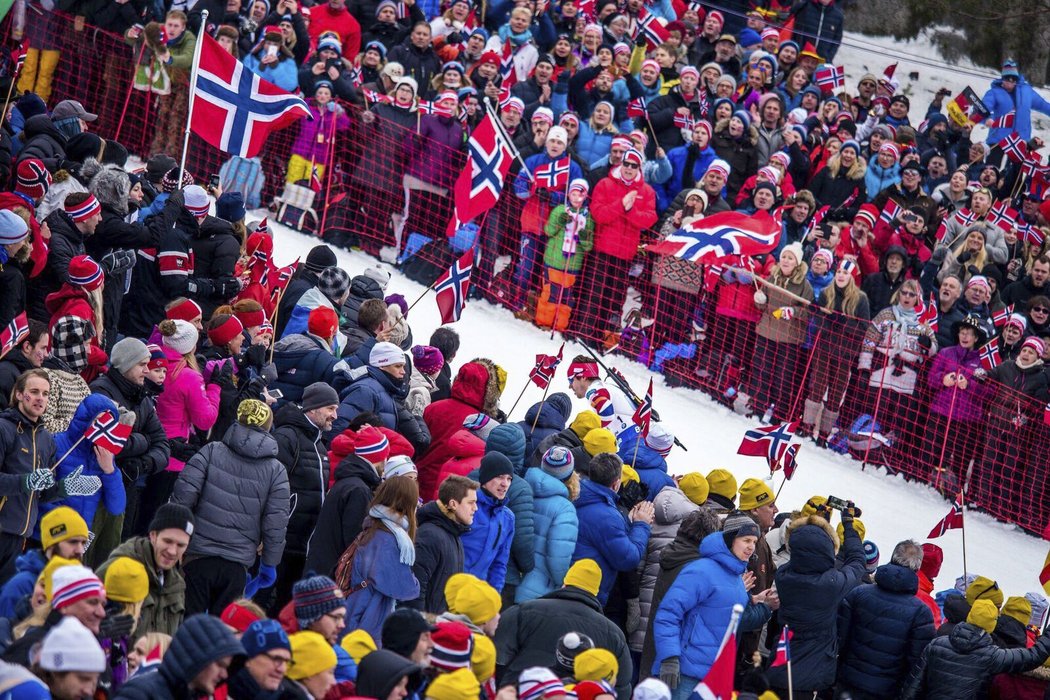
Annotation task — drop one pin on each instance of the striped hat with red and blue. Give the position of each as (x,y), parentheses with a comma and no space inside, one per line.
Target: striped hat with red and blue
(85,272)
(72,584)
(371,445)
(32,178)
(84,210)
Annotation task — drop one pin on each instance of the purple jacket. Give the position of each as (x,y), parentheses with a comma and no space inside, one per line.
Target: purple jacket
(307,144)
(436,166)
(969,401)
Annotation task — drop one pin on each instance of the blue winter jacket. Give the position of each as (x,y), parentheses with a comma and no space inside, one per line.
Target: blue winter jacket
(551,421)
(592,147)
(523,185)
(378,563)
(372,393)
(556,528)
(696,610)
(83,455)
(876,179)
(27,567)
(882,630)
(606,536)
(1023,100)
(666,192)
(301,360)
(486,546)
(284,74)
(651,467)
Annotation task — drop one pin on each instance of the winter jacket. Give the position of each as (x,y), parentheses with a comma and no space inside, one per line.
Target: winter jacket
(785,330)
(878,286)
(283,74)
(741,154)
(593,146)
(811,588)
(362,288)
(832,185)
(528,634)
(302,359)
(375,392)
(1029,381)
(466,449)
(651,467)
(25,446)
(432,153)
(662,112)
(215,252)
(486,546)
(66,243)
(27,569)
(893,336)
(954,402)
(165,604)
(13,364)
(302,281)
(960,666)
(618,231)
(999,102)
(378,581)
(671,507)
(606,536)
(186,403)
(882,631)
(147,450)
(343,513)
(420,64)
(439,555)
(680,158)
(820,20)
(556,527)
(877,178)
(41,139)
(305,458)
(552,418)
(238,492)
(1018,293)
(340,21)
(554,254)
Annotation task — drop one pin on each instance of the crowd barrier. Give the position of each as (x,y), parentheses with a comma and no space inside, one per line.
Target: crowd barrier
(698,329)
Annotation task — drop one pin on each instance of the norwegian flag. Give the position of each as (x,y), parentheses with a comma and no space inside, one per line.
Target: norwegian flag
(952,521)
(638,108)
(543,371)
(480,184)
(14,333)
(643,415)
(1004,122)
(1000,318)
(769,441)
(718,683)
(791,460)
(890,211)
(1003,216)
(712,276)
(684,121)
(425,107)
(234,109)
(281,279)
(452,287)
(315,178)
(1030,234)
(506,66)
(18,56)
(817,219)
(783,653)
(151,663)
(108,433)
(356,77)
(720,235)
(504,96)
(830,79)
(990,355)
(554,175)
(928,313)
(1014,147)
(376,97)
(652,28)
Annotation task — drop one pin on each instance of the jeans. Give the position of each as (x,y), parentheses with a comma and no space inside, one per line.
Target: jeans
(685,687)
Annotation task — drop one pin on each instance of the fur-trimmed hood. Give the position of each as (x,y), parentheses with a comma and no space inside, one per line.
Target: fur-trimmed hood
(493,387)
(110,185)
(856,172)
(723,125)
(797,277)
(813,544)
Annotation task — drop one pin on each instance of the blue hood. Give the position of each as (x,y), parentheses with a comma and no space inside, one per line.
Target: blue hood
(714,547)
(544,485)
(591,493)
(897,579)
(89,408)
(812,550)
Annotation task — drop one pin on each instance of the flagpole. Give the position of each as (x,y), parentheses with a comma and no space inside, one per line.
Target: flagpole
(195,69)
(791,689)
(131,88)
(11,87)
(939,469)
(543,400)
(962,517)
(74,446)
(328,174)
(506,137)
(515,404)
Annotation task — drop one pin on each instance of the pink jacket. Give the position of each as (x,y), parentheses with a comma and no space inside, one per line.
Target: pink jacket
(186,402)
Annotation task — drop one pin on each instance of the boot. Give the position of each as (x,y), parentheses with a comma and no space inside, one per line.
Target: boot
(27,79)
(46,74)
(809,417)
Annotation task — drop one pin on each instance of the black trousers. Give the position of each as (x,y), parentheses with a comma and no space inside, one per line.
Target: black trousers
(212,583)
(11,546)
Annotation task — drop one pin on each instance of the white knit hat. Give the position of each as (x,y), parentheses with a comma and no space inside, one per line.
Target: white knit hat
(196,200)
(651,689)
(385,354)
(185,339)
(401,465)
(70,646)
(660,439)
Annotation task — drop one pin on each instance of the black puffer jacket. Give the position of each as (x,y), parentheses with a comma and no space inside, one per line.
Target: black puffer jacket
(305,458)
(147,450)
(343,513)
(215,253)
(40,139)
(238,492)
(303,281)
(439,555)
(362,288)
(66,243)
(25,446)
(12,292)
(960,666)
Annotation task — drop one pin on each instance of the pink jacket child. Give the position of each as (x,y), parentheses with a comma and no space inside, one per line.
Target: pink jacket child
(186,401)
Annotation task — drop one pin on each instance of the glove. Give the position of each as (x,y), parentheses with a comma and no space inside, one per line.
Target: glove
(266,578)
(670,673)
(38,480)
(254,389)
(118,261)
(222,376)
(564,219)
(228,287)
(181,449)
(255,355)
(453,38)
(965,256)
(116,626)
(925,343)
(127,417)
(939,254)
(77,485)
(543,194)
(785,313)
(980,374)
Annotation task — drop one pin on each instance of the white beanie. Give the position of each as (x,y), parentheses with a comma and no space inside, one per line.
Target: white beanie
(385,354)
(558,133)
(184,341)
(795,249)
(401,465)
(380,274)
(196,200)
(70,646)
(13,228)
(651,689)
(659,439)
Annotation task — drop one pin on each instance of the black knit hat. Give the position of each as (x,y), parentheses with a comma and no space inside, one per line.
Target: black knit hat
(739,524)
(401,631)
(319,257)
(172,516)
(493,465)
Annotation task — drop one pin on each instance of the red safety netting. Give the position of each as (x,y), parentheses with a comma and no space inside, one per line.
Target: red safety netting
(388,194)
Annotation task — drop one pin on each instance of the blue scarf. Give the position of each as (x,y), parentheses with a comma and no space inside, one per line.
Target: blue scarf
(516,40)
(398,526)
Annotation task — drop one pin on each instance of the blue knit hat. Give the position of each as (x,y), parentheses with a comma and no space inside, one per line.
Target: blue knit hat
(482,31)
(850,144)
(561,403)
(479,424)
(378,46)
(508,439)
(313,597)
(871,555)
(743,116)
(230,206)
(558,462)
(263,636)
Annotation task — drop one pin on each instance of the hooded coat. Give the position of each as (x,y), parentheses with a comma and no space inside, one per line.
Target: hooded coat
(617,231)
(302,359)
(165,603)
(556,526)
(1000,103)
(305,458)
(467,450)
(650,465)
(606,536)
(187,403)
(42,139)
(378,581)
(553,413)
(147,450)
(439,555)
(487,545)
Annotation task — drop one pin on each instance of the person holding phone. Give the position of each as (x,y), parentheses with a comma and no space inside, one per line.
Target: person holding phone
(271,60)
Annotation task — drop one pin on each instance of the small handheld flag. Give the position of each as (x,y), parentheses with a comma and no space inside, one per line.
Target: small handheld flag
(783,655)
(14,333)
(643,415)
(452,287)
(543,371)
(107,432)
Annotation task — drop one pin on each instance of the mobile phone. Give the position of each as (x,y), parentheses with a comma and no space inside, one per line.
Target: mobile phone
(271,50)
(213,181)
(332,63)
(688,210)
(837,503)
(275,393)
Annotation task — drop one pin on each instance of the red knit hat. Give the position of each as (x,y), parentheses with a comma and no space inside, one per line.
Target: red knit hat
(85,272)
(932,558)
(83,211)
(187,311)
(157,358)
(869,213)
(225,332)
(371,445)
(322,322)
(33,180)
(238,617)
(453,646)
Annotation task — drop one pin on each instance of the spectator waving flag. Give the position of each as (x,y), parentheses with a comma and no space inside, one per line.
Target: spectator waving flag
(376,97)
(720,235)
(652,28)
(684,121)
(769,441)
(999,318)
(14,333)
(1003,216)
(543,371)
(643,415)
(452,287)
(830,79)
(952,521)
(928,312)
(108,433)
(791,460)
(783,654)
(638,108)
(479,185)
(990,355)
(1014,147)
(233,109)
(1004,122)
(890,211)
(554,175)
(1030,234)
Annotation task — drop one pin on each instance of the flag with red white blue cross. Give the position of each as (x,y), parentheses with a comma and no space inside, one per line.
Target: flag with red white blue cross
(452,288)
(107,432)
(643,415)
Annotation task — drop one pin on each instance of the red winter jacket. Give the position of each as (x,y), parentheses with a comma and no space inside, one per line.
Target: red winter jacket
(324,19)
(736,299)
(343,446)
(38,258)
(444,418)
(467,450)
(925,594)
(618,232)
(867,262)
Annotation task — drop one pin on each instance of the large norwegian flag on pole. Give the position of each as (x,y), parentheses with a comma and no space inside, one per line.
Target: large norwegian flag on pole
(770,441)
(234,109)
(718,683)
(480,184)
(452,287)
(720,235)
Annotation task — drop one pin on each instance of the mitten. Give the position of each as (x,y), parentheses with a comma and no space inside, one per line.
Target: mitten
(38,480)
(77,485)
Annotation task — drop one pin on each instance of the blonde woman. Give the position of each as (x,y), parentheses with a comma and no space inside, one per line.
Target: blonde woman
(151,644)
(127,583)
(596,134)
(967,258)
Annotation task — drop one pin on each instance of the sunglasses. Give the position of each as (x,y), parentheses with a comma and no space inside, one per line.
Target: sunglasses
(908,294)
(1041,310)
(629,165)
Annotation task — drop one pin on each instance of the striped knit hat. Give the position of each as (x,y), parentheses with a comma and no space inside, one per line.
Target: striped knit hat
(13,228)
(453,645)
(33,180)
(85,272)
(371,445)
(537,683)
(83,211)
(196,200)
(314,597)
(75,583)
(558,462)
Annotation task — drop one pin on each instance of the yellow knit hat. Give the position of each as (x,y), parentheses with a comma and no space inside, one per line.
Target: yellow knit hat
(358,644)
(857,525)
(501,378)
(468,595)
(984,614)
(458,685)
(628,474)
(254,413)
(1019,608)
(722,483)
(695,487)
(595,665)
(755,493)
(984,588)
(311,655)
(59,525)
(813,503)
(483,659)
(585,574)
(585,422)
(599,440)
(53,565)
(127,581)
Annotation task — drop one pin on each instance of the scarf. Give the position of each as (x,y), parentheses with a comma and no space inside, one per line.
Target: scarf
(904,315)
(398,525)
(516,40)
(617,174)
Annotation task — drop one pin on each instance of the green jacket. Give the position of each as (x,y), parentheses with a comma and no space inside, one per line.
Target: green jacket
(165,605)
(552,255)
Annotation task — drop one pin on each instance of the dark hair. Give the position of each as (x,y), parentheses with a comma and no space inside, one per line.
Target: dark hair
(37,330)
(606,469)
(1037,300)
(365,418)
(447,341)
(583,358)
(1042,259)
(455,487)
(699,524)
(76,199)
(372,314)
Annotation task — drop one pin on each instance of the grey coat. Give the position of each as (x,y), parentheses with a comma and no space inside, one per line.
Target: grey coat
(239,493)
